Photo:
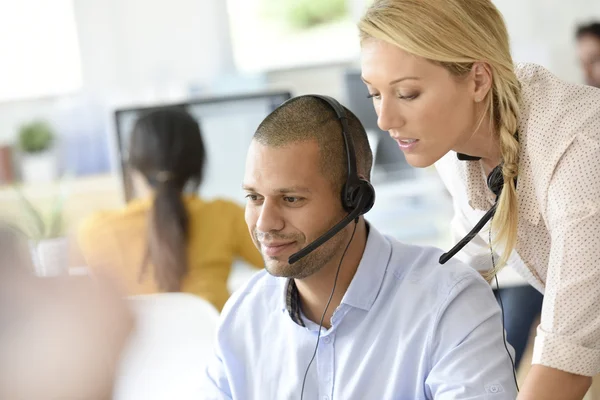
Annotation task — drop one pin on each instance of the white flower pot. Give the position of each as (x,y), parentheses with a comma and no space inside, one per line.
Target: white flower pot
(39,167)
(51,257)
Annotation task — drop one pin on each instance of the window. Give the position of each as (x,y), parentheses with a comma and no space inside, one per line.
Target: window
(38,48)
(278,34)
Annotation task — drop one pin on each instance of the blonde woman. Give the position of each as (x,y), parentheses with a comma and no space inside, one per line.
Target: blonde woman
(444,86)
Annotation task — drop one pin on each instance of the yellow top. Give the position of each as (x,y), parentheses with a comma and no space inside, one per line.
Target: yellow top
(116,241)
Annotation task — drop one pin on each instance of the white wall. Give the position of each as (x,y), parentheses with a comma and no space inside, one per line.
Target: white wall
(138,45)
(131,50)
(136,48)
(543,31)
(144,49)
(41,61)
(327,80)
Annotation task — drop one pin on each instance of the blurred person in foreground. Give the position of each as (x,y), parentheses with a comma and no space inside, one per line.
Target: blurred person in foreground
(60,337)
(588,49)
(168,241)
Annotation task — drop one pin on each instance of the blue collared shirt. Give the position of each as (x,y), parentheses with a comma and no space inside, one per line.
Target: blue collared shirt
(407,328)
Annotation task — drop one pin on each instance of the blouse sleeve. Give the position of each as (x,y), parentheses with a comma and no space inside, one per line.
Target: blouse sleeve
(568,337)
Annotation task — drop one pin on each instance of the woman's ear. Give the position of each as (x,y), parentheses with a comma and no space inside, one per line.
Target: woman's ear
(481,73)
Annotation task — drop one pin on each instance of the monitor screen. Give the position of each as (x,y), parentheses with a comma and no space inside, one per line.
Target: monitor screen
(227,124)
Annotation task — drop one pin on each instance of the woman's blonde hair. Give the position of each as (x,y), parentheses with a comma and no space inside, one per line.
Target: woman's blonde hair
(455,34)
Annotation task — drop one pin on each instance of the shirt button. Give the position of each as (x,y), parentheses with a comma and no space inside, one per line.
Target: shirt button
(325,397)
(495,388)
(326,340)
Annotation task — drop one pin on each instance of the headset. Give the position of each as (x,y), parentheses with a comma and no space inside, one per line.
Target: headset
(358,195)
(495,182)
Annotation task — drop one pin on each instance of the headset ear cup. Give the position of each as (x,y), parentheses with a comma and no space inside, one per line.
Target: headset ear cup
(368,196)
(495,180)
(360,196)
(348,198)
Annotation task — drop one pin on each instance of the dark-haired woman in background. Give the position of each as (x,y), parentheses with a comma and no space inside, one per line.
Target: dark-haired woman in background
(169,241)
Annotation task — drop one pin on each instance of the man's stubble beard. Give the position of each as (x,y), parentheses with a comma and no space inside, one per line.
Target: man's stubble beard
(312,262)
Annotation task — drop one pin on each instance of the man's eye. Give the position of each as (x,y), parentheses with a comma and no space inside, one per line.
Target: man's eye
(252,197)
(291,199)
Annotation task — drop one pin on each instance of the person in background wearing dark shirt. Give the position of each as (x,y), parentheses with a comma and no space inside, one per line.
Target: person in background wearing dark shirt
(588,49)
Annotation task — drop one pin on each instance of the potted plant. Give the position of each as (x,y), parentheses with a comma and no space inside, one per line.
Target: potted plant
(305,14)
(49,245)
(36,142)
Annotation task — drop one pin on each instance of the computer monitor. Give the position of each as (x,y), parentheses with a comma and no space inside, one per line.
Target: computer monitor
(227,124)
(388,158)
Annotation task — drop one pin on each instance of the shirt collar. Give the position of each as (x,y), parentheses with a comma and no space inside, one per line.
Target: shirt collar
(367,281)
(365,285)
(292,302)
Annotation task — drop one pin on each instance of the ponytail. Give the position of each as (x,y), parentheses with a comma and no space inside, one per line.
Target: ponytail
(167,149)
(167,236)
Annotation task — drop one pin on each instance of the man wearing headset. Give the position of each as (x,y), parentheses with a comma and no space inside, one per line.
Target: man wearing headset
(393,322)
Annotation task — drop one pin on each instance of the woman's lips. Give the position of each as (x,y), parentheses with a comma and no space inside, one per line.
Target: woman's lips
(407,144)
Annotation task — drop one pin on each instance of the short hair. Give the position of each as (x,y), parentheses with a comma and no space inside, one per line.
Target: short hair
(592,29)
(307,118)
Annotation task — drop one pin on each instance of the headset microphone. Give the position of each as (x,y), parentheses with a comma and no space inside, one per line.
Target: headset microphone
(464,241)
(353,215)
(495,182)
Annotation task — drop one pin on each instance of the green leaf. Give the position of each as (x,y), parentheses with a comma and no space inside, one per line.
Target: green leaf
(36,137)
(305,14)
(35,216)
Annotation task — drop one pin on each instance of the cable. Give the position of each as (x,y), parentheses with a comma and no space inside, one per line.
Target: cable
(325,311)
(512,362)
